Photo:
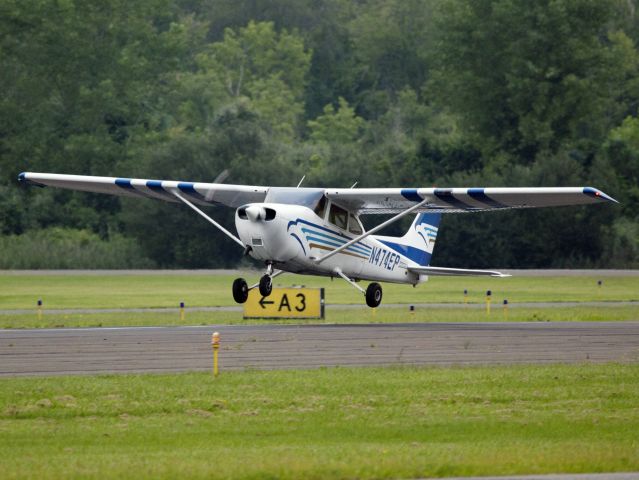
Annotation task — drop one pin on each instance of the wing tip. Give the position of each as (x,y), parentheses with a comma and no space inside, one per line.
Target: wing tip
(598,194)
(24,180)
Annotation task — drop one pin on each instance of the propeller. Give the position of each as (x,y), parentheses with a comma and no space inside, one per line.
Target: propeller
(219,179)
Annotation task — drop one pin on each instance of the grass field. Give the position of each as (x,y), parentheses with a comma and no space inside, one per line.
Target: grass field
(146,291)
(337,423)
(333,315)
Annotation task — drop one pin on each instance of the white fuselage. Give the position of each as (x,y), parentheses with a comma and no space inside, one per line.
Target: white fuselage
(294,237)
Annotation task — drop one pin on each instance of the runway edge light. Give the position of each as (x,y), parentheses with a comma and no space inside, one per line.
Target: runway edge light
(215,343)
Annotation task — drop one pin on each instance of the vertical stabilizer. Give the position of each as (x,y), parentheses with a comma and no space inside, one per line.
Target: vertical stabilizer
(423,233)
(418,242)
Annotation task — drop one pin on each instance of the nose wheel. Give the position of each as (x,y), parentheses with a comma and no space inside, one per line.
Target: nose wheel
(266,285)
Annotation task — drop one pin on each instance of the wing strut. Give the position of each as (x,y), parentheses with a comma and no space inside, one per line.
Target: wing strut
(373,230)
(220,227)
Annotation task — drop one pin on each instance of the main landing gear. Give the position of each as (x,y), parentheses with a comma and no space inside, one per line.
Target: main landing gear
(373,293)
(240,290)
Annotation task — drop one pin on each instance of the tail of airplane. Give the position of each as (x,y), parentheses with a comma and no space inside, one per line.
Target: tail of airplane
(418,242)
(423,233)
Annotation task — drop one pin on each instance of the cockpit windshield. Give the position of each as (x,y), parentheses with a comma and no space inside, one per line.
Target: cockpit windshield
(307,197)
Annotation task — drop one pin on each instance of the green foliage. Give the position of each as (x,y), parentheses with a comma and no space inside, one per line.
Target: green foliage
(65,248)
(382,92)
(339,125)
(530,77)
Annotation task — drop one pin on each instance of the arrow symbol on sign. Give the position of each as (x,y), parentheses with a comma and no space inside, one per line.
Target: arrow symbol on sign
(263,302)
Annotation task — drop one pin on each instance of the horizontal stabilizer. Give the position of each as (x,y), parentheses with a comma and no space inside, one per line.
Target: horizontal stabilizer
(455,271)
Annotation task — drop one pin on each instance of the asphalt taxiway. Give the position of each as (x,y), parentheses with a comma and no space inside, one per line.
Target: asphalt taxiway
(173,349)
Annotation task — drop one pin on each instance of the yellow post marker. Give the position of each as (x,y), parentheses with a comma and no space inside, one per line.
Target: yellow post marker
(506,309)
(465,297)
(181,311)
(412,310)
(39,309)
(215,343)
(488,300)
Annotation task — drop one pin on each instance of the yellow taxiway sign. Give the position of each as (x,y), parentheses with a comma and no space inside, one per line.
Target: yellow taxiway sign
(286,303)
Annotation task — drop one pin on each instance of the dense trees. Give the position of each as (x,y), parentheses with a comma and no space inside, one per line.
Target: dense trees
(382,92)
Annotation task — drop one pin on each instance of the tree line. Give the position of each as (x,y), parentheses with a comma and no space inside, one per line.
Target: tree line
(410,93)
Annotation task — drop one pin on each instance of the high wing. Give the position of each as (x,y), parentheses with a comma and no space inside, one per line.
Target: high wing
(201,193)
(455,200)
(356,200)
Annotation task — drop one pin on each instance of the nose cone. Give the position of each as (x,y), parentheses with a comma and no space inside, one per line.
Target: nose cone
(255,213)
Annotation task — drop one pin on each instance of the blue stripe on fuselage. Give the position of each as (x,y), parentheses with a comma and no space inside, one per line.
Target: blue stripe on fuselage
(323,241)
(339,234)
(339,241)
(421,257)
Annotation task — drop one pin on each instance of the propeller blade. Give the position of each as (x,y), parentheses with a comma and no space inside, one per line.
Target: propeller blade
(219,179)
(222,176)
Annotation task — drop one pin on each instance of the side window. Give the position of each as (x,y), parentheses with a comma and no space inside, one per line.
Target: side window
(338,216)
(353,225)
(320,209)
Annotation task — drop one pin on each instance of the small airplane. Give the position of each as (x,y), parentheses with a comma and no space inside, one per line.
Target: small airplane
(317,231)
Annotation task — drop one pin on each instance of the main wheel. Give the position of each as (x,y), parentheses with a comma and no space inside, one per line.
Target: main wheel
(374,295)
(266,285)
(240,290)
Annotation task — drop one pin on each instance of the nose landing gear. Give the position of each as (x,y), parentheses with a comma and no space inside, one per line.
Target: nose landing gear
(266,282)
(265,286)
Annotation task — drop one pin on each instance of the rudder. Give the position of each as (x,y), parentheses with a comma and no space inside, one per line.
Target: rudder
(423,233)
(418,242)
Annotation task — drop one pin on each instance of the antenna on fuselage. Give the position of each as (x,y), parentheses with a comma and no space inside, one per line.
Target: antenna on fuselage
(302,179)
(353,186)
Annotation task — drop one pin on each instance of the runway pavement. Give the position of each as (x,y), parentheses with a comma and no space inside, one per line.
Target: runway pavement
(172,349)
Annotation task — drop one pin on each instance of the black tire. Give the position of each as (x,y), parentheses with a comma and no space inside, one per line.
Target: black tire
(374,295)
(240,290)
(266,285)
